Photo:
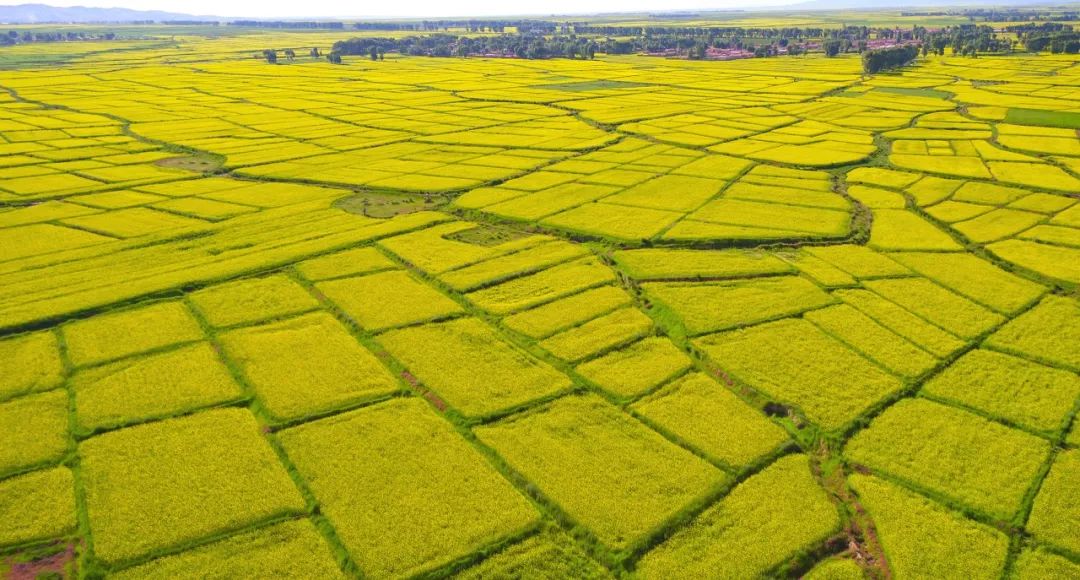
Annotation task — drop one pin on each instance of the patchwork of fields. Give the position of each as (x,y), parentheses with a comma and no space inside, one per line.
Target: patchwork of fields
(495,318)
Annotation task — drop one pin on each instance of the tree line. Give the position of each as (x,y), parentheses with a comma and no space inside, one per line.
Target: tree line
(288,24)
(1063,42)
(874,61)
(508,45)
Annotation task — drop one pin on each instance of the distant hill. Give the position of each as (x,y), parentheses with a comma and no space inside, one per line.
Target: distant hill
(37,13)
(879,4)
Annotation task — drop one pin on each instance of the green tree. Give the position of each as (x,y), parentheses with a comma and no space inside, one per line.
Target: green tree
(270,55)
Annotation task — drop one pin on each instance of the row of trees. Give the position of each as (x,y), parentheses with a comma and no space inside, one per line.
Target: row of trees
(26,37)
(472,25)
(288,24)
(516,45)
(880,46)
(271,55)
(1056,42)
(886,58)
(966,39)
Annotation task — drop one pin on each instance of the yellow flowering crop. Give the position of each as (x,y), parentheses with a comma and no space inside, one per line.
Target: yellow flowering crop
(611,474)
(252,299)
(168,483)
(387,299)
(705,414)
(766,519)
(306,365)
(130,332)
(406,493)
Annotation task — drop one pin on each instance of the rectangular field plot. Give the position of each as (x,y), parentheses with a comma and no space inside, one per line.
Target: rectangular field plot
(997,224)
(1012,388)
(806,221)
(507,266)
(712,419)
(920,332)
(1034,564)
(926,539)
(306,365)
(634,369)
(549,554)
(1055,514)
(797,363)
(387,299)
(346,263)
(544,286)
(1054,262)
(206,209)
(252,300)
(29,363)
(862,334)
(169,483)
(274,551)
(156,385)
(37,506)
(938,305)
(35,431)
(552,317)
(767,519)
(859,261)
(974,278)
(614,221)
(38,239)
(676,193)
(404,492)
(663,264)
(971,460)
(607,471)
(1048,332)
(119,334)
(708,307)
(470,366)
(598,334)
(818,270)
(133,222)
(434,250)
(898,229)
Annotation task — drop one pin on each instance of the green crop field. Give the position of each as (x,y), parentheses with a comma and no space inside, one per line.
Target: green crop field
(643,315)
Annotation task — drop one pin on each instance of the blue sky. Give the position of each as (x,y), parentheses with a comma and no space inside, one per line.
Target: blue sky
(411,8)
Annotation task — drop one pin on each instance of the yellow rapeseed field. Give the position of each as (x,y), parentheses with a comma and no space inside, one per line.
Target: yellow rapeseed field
(494,316)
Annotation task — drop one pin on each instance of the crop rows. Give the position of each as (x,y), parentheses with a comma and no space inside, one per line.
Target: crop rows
(738,319)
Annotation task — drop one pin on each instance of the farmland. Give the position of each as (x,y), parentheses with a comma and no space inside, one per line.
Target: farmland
(622,316)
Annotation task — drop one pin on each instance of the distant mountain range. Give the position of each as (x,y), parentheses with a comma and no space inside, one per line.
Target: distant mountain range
(923,4)
(36,13)
(43,13)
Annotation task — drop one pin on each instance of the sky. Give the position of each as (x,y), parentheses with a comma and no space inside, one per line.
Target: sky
(407,8)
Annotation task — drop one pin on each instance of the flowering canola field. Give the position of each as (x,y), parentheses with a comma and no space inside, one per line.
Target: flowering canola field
(488,318)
